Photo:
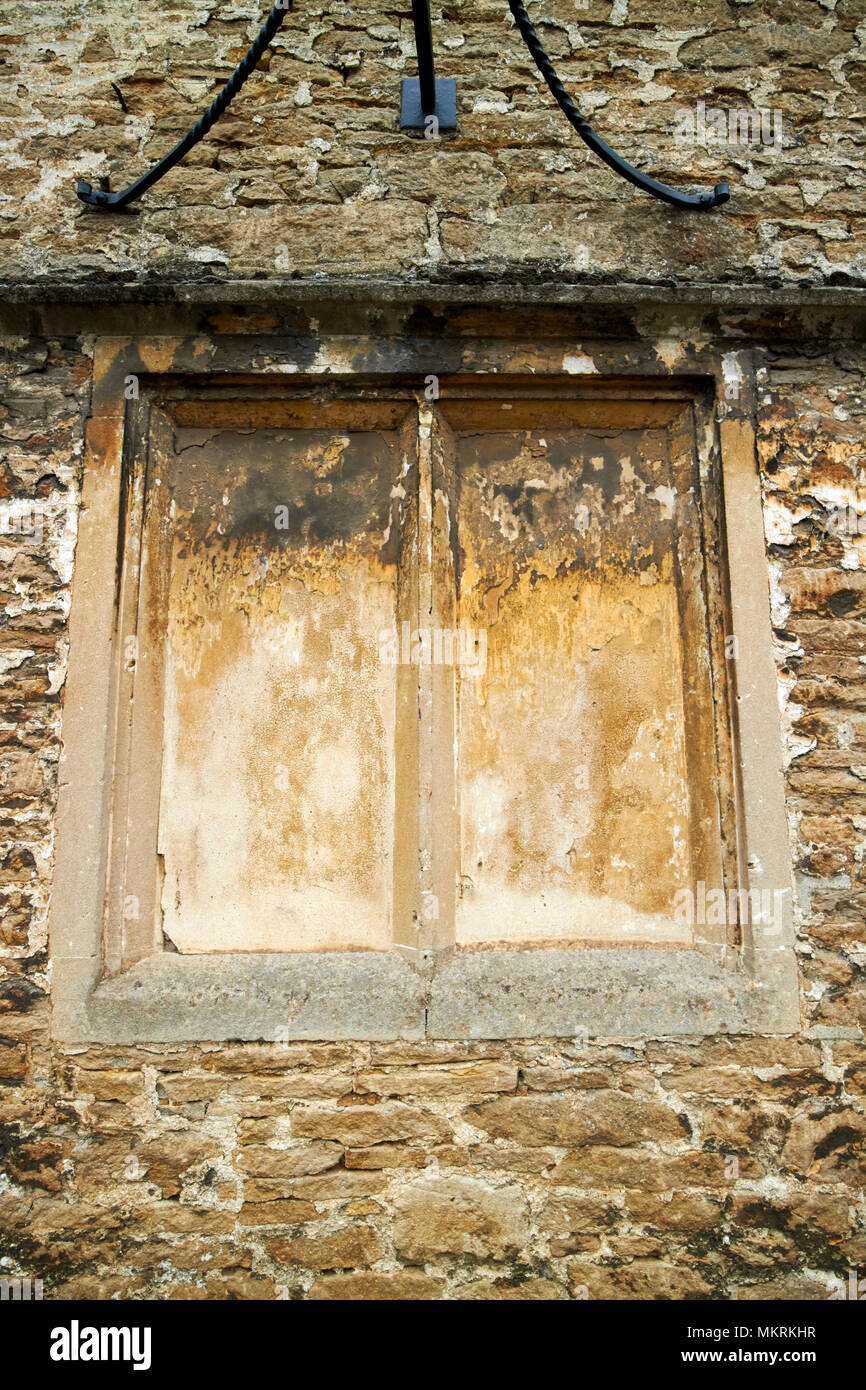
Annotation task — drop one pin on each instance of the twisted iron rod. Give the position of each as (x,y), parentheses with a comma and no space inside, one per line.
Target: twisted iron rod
(700,202)
(114,201)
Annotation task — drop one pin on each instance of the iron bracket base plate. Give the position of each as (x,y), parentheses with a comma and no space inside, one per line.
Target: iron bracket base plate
(411,115)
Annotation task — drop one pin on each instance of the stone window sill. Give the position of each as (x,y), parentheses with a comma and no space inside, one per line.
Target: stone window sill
(377,995)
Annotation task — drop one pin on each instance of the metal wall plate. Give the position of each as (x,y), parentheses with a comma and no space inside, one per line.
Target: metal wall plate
(412,116)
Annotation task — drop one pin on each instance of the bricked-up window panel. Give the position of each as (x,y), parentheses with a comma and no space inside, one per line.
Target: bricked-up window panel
(427,675)
(587,782)
(276,820)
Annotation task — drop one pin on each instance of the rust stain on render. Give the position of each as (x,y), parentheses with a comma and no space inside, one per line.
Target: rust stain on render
(572,769)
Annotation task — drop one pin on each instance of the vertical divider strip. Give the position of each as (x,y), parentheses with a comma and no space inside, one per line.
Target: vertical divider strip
(445,652)
(425,818)
(407,735)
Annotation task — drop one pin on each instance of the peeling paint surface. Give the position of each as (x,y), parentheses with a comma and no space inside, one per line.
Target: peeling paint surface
(276,821)
(574,813)
(573,781)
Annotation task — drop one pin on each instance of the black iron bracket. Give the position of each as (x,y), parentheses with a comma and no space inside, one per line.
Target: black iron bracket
(689,202)
(443,115)
(428,102)
(115,202)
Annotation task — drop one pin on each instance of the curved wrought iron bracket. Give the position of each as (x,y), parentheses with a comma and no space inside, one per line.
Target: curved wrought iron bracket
(115,202)
(431,92)
(690,202)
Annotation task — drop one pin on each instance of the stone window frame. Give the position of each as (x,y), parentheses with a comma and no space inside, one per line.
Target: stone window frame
(750,986)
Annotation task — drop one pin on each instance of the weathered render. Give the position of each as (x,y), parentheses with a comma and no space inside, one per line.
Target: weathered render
(487,1123)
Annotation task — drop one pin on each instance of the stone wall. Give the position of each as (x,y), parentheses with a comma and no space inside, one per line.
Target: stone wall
(709,1168)
(308,172)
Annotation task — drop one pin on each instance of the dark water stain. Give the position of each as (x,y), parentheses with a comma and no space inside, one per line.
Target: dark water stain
(289,489)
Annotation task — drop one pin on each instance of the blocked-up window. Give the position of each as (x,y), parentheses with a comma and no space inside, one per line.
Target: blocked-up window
(420,717)
(433,673)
